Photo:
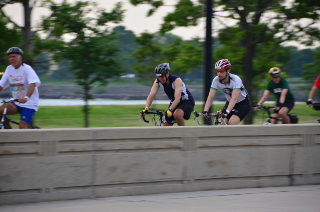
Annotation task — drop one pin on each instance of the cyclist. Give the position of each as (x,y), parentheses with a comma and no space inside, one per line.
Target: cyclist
(181,100)
(281,90)
(23,82)
(313,91)
(238,103)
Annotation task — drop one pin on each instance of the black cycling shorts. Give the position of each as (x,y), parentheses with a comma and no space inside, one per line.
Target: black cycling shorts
(187,106)
(241,109)
(288,105)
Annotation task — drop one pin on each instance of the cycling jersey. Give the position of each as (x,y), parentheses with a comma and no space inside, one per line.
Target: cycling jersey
(234,83)
(317,82)
(169,89)
(276,89)
(19,81)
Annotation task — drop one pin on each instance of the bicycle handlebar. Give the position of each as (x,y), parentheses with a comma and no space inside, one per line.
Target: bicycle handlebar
(217,115)
(315,105)
(11,100)
(264,107)
(155,112)
(197,114)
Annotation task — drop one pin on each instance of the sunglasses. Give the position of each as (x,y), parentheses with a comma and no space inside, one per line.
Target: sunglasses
(220,71)
(162,76)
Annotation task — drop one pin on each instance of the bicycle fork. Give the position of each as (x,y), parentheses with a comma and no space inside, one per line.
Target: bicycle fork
(3,125)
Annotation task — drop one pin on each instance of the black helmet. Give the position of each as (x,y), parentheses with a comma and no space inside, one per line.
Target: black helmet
(15,50)
(162,69)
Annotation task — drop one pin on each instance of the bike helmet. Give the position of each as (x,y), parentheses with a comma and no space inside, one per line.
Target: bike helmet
(275,72)
(15,50)
(162,69)
(223,64)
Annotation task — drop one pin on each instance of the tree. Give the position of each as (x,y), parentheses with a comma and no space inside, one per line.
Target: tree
(28,34)
(9,37)
(91,48)
(312,69)
(127,40)
(183,56)
(260,26)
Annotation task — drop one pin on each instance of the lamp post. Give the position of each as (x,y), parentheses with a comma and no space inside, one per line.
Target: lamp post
(208,54)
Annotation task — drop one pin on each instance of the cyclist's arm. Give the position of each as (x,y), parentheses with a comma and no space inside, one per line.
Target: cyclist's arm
(153,92)
(210,98)
(31,89)
(283,96)
(234,98)
(264,98)
(177,93)
(29,93)
(312,93)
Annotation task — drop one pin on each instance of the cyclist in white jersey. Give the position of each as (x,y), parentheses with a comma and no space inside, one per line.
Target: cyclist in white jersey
(238,104)
(23,82)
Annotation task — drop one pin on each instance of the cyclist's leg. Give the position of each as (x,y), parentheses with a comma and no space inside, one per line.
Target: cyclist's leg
(234,120)
(178,116)
(183,111)
(12,109)
(167,125)
(26,117)
(283,112)
(275,115)
(241,109)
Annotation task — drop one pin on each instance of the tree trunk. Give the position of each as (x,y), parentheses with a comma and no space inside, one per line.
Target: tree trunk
(27,33)
(248,76)
(86,105)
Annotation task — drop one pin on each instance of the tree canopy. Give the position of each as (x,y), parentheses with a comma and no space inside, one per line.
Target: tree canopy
(252,43)
(92,49)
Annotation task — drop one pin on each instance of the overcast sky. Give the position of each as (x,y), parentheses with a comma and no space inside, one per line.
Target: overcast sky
(134,18)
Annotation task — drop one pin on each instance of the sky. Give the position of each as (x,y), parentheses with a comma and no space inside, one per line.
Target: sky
(135,18)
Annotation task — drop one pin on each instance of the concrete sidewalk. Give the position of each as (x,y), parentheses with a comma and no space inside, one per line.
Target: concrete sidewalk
(275,199)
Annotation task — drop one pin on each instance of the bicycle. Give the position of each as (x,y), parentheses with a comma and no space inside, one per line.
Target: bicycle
(219,118)
(315,106)
(293,117)
(5,117)
(155,113)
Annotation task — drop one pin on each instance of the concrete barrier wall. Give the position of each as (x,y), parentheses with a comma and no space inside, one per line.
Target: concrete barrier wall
(61,164)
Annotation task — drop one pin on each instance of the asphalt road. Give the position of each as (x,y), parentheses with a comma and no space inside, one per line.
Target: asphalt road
(275,199)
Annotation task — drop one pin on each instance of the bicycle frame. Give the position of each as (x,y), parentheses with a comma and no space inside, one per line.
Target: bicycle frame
(315,106)
(269,118)
(219,118)
(5,117)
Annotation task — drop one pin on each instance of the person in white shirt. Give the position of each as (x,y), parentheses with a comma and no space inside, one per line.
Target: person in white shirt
(23,82)
(238,104)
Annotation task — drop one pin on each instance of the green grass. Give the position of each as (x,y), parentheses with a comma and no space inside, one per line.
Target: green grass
(128,116)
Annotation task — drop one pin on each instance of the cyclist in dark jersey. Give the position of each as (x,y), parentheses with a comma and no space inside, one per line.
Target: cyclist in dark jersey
(181,100)
(284,97)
